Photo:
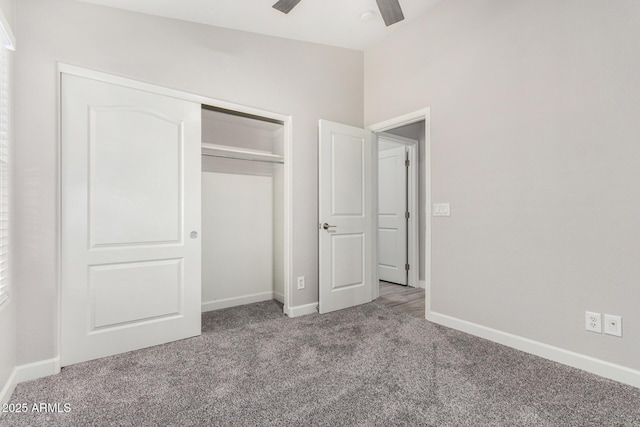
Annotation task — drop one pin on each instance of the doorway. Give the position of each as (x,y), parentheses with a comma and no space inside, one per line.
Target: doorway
(412,131)
(348,184)
(242,209)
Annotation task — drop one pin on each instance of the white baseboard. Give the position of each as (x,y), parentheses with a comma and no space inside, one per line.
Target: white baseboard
(577,360)
(233,302)
(422,284)
(35,370)
(278,297)
(28,372)
(302,310)
(8,388)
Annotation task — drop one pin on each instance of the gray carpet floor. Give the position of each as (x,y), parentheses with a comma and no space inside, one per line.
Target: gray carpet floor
(362,366)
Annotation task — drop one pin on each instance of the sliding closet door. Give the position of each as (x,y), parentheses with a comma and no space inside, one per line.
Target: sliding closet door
(130,181)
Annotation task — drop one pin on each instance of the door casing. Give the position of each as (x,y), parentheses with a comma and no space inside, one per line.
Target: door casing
(424,188)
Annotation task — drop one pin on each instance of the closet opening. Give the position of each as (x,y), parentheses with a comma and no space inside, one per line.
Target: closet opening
(243,209)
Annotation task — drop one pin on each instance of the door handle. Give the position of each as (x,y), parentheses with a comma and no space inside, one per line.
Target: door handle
(327,226)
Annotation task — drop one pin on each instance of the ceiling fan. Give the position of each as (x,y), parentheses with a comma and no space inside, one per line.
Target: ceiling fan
(389,9)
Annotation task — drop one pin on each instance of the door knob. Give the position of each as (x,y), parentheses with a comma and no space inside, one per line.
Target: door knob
(194,234)
(327,226)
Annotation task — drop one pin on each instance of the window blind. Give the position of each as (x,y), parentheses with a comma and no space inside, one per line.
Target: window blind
(5,165)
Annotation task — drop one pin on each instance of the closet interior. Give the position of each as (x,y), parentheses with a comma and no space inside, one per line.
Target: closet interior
(242,209)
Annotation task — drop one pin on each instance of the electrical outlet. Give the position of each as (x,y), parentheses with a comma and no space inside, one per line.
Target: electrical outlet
(593,321)
(301,282)
(613,325)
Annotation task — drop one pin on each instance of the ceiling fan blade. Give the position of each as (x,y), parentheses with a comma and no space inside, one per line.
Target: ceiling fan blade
(391,11)
(285,6)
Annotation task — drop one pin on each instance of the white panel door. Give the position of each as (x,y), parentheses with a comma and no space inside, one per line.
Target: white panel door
(345,210)
(392,223)
(130,219)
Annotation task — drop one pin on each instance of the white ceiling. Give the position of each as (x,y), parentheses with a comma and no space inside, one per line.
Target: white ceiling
(331,22)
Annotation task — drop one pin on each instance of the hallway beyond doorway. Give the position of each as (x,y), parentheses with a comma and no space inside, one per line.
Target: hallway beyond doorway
(402,298)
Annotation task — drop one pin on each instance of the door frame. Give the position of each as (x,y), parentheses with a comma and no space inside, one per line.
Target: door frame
(392,123)
(413,236)
(287,121)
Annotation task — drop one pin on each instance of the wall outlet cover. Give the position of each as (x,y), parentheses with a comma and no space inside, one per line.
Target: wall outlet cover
(301,282)
(593,321)
(613,325)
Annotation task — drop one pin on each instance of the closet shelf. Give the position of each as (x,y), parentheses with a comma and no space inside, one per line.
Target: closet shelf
(226,151)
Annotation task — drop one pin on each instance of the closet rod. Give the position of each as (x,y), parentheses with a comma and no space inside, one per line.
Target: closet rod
(243,158)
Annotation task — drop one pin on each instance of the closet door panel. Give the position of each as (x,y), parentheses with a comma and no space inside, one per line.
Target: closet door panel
(120,184)
(130,219)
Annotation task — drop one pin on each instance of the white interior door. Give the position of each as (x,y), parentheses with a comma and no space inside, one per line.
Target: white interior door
(345,214)
(130,219)
(392,222)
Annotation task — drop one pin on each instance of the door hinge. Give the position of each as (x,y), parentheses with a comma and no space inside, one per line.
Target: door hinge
(407,215)
(407,267)
(407,163)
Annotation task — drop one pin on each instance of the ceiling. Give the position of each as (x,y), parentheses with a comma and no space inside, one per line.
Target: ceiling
(330,22)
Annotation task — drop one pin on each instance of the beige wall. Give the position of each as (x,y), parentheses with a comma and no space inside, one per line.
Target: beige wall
(304,80)
(534,142)
(7,7)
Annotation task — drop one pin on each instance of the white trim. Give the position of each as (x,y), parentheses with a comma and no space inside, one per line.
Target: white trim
(408,142)
(28,372)
(278,297)
(422,284)
(413,231)
(566,357)
(427,211)
(238,153)
(407,119)
(7,38)
(160,90)
(35,370)
(8,388)
(403,120)
(236,301)
(375,277)
(57,327)
(302,310)
(288,214)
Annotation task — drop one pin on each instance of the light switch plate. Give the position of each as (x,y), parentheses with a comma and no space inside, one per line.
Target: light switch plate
(441,209)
